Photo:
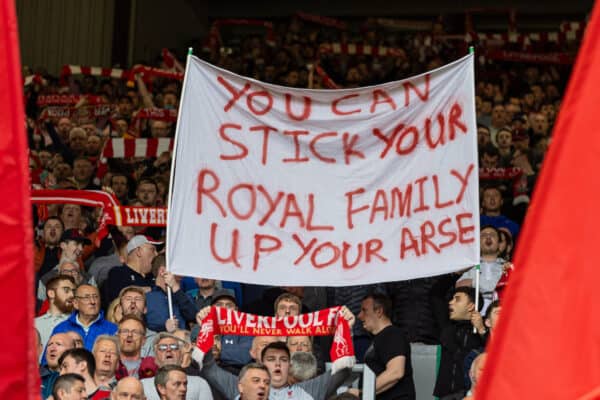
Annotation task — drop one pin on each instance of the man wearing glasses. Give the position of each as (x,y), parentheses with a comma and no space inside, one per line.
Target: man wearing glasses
(133,301)
(132,336)
(87,319)
(169,351)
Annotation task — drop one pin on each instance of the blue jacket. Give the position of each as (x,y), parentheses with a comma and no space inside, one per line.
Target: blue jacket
(48,378)
(99,327)
(158,309)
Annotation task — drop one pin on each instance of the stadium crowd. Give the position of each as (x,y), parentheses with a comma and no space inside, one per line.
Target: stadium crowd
(103,319)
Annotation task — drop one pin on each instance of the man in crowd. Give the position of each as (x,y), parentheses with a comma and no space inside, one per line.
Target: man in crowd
(475,374)
(389,354)
(276,357)
(133,301)
(491,266)
(57,345)
(171,383)
(235,349)
(254,382)
(287,304)
(457,339)
(128,388)
(47,252)
(83,172)
(184,309)
(147,192)
(206,290)
(137,271)
(498,121)
(303,366)
(69,387)
(71,248)
(491,208)
(106,352)
(132,336)
(93,147)
(81,361)
(540,125)
(119,183)
(169,351)
(60,292)
(88,320)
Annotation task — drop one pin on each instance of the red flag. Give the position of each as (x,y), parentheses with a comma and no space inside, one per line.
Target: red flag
(547,344)
(19,377)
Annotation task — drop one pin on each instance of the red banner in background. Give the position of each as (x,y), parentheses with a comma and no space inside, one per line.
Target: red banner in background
(535,58)
(19,377)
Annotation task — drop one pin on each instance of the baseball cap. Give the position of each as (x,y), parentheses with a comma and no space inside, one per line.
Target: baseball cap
(75,235)
(223,293)
(140,240)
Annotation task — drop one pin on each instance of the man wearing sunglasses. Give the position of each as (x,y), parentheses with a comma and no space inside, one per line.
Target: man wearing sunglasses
(169,351)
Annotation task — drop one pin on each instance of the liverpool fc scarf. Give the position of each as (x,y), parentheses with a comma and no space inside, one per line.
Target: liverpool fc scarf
(222,321)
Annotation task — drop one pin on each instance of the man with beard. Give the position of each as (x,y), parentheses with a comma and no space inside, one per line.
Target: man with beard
(491,266)
(137,271)
(132,336)
(88,320)
(60,291)
(57,345)
(169,351)
(106,352)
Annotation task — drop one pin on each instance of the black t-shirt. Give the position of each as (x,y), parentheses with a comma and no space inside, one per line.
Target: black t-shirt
(121,277)
(387,344)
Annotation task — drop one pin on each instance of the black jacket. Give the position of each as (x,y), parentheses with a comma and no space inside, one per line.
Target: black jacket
(456,338)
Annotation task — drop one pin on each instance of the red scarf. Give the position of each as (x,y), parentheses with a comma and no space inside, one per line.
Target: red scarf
(222,321)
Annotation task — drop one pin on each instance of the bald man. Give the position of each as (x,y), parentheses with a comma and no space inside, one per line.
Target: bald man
(128,388)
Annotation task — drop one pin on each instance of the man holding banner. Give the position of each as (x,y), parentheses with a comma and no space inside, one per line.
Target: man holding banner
(336,321)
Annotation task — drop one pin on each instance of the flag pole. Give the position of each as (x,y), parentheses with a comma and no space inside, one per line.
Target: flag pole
(478,266)
(171,180)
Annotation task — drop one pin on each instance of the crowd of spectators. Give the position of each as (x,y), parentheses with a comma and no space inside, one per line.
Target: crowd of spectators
(103,323)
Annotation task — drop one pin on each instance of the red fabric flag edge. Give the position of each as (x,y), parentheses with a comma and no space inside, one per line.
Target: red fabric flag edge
(545,345)
(19,376)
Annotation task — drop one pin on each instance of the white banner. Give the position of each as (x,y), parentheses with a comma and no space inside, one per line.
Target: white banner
(284,186)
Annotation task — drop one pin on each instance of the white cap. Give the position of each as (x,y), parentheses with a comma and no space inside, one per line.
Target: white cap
(139,240)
